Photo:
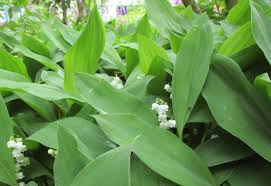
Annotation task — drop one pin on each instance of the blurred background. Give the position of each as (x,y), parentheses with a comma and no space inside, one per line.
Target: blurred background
(74,12)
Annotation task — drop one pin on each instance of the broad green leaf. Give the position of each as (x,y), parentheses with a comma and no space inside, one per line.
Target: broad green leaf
(143,28)
(142,175)
(138,86)
(261,25)
(252,171)
(191,70)
(223,172)
(222,150)
(148,50)
(14,44)
(69,160)
(164,17)
(49,63)
(175,42)
(131,60)
(13,64)
(237,106)
(173,159)
(35,45)
(263,83)
(55,38)
(7,164)
(15,82)
(201,113)
(237,42)
(111,168)
(112,56)
(55,79)
(43,107)
(240,13)
(84,55)
(90,139)
(107,99)
(67,32)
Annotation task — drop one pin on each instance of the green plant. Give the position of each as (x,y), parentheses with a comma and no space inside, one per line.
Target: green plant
(177,98)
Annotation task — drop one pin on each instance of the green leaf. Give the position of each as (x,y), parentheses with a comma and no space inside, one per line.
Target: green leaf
(35,45)
(69,160)
(164,17)
(148,50)
(55,38)
(138,87)
(111,168)
(191,70)
(237,107)
(13,64)
(15,82)
(143,28)
(237,42)
(84,55)
(107,99)
(252,171)
(263,83)
(90,139)
(7,164)
(261,25)
(43,107)
(112,56)
(175,42)
(179,163)
(222,150)
(142,175)
(240,13)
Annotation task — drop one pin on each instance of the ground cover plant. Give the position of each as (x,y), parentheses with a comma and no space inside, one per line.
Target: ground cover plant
(181,97)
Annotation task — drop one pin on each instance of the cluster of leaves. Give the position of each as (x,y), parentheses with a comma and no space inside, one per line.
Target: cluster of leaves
(56,91)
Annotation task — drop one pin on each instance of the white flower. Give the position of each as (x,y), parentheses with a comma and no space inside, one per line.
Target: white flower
(163,109)
(11,144)
(17,153)
(51,152)
(162,117)
(25,161)
(18,167)
(164,125)
(20,146)
(117,83)
(21,183)
(167,87)
(171,123)
(19,175)
(155,106)
(214,136)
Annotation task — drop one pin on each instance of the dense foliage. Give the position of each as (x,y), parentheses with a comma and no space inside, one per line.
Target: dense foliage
(181,97)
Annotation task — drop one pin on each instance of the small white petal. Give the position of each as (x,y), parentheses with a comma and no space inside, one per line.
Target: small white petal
(162,117)
(167,87)
(164,125)
(11,144)
(19,175)
(163,109)
(25,161)
(172,123)
(51,151)
(155,106)
(21,184)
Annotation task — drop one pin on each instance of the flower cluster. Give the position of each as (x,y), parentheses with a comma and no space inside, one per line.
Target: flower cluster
(168,89)
(18,149)
(117,83)
(162,108)
(52,152)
